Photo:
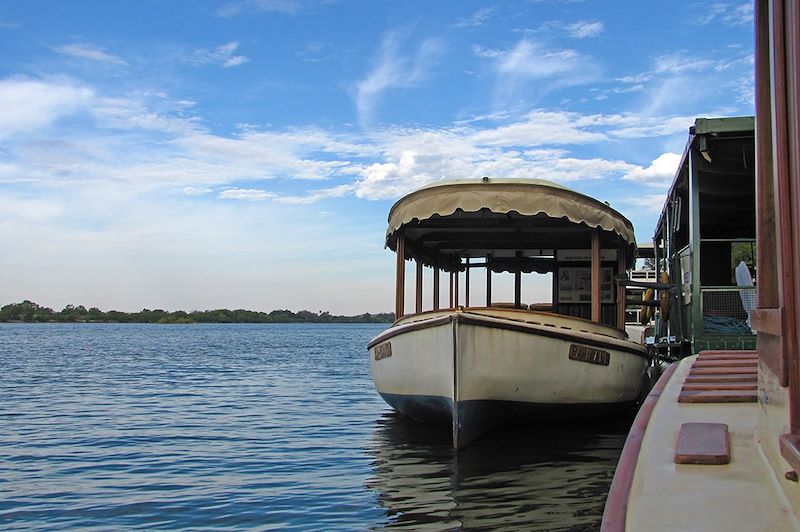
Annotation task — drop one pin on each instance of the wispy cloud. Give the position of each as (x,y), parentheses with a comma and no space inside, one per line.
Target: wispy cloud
(395,69)
(89,51)
(730,14)
(10,25)
(248,194)
(137,147)
(223,55)
(650,203)
(478,18)
(288,7)
(530,70)
(584,29)
(197,191)
(316,52)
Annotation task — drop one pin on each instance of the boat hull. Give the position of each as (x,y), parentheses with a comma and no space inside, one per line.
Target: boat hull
(477,370)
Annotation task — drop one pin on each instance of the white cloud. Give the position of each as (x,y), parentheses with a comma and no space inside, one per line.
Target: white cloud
(660,172)
(316,52)
(730,15)
(478,18)
(395,70)
(529,70)
(88,51)
(248,194)
(651,203)
(196,191)
(288,7)
(31,104)
(317,195)
(680,62)
(585,28)
(222,55)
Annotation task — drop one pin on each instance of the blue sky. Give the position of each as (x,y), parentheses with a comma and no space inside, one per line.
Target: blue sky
(244,154)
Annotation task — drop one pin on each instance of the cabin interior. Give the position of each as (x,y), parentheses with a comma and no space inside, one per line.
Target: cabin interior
(706,230)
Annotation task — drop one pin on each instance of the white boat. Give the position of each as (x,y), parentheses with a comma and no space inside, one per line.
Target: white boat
(478,366)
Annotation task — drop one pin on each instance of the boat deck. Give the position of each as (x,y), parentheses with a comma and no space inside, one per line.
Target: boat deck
(652,492)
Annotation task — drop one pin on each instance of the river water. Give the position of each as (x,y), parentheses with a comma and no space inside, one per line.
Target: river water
(121,426)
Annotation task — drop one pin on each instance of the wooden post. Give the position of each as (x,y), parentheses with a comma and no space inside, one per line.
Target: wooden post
(596,306)
(466,285)
(436,288)
(456,289)
(518,281)
(622,269)
(400,280)
(418,298)
(488,281)
(452,285)
(696,309)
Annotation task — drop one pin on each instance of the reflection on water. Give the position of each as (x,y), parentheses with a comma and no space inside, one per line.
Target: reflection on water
(555,478)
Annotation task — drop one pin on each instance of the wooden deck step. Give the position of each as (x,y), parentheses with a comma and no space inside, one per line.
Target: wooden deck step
(688,386)
(720,352)
(740,377)
(721,371)
(727,357)
(741,363)
(718,396)
(703,443)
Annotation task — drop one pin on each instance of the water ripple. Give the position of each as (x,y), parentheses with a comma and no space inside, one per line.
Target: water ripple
(110,426)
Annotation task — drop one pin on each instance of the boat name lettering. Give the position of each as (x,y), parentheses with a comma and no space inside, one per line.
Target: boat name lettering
(586,354)
(383,350)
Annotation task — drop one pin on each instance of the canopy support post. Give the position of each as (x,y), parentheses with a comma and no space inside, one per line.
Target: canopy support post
(452,284)
(466,285)
(488,281)
(596,307)
(518,281)
(418,299)
(400,280)
(622,268)
(456,288)
(436,288)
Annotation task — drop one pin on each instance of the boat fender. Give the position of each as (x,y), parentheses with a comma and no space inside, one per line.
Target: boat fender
(645,314)
(663,297)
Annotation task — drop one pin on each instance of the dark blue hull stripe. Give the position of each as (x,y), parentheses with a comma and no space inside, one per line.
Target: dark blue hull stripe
(475,418)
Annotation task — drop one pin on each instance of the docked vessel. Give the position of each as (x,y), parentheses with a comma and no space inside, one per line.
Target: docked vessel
(716,445)
(478,366)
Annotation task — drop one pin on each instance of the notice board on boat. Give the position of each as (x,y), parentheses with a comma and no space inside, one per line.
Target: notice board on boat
(575,285)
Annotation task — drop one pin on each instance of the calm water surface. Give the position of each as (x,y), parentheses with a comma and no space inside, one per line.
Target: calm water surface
(106,426)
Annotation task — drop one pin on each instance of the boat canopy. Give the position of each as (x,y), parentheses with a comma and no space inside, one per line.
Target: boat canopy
(516,222)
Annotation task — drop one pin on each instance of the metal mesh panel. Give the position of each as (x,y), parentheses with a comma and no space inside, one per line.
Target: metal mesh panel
(727,311)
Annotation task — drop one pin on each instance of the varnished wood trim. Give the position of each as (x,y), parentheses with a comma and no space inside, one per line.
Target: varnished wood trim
(616,510)
(790,450)
(767,321)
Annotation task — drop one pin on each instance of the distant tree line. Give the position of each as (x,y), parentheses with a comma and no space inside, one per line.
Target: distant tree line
(28,311)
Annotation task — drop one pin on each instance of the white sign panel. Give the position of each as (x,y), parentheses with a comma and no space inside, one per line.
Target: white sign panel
(575,285)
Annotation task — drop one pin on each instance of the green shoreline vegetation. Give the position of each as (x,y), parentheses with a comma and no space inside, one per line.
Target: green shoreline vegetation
(30,312)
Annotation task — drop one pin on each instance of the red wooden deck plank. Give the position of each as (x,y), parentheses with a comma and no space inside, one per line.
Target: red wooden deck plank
(741,377)
(725,364)
(727,353)
(722,371)
(719,386)
(718,396)
(703,443)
